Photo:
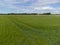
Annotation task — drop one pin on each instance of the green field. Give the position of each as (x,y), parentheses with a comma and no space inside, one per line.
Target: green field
(29,30)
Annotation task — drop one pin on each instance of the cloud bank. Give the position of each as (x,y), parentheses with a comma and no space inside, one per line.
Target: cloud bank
(30,6)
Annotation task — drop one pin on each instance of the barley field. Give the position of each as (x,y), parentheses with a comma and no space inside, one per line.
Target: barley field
(29,30)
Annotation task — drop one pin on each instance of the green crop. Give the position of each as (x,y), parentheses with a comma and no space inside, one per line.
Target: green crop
(29,30)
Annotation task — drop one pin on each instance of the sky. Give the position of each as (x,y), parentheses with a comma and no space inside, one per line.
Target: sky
(30,6)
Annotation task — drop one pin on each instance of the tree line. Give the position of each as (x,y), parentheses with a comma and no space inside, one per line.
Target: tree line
(26,14)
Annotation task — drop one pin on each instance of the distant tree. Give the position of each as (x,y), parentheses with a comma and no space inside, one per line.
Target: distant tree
(46,13)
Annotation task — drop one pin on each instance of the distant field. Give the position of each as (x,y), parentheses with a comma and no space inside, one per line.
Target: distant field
(29,30)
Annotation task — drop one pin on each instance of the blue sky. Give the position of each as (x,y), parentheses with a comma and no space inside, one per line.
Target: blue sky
(29,6)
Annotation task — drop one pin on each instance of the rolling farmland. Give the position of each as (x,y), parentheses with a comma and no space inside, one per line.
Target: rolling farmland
(29,30)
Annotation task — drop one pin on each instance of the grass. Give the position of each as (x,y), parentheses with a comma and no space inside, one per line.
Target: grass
(29,30)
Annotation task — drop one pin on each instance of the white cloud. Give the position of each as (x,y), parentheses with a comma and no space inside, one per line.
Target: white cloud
(43,8)
(45,2)
(37,5)
(15,1)
(47,9)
